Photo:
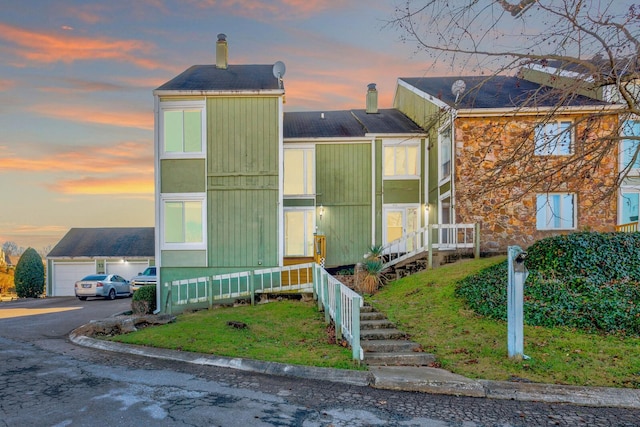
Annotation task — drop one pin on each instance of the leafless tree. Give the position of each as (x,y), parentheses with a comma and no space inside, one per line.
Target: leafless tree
(596,41)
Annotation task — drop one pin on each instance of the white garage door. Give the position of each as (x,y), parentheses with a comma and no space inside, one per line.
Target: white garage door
(126,269)
(66,274)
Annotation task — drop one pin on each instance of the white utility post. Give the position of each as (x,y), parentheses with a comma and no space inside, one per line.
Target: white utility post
(515,300)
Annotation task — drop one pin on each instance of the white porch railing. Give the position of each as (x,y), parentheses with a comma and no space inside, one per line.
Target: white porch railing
(342,305)
(338,301)
(434,236)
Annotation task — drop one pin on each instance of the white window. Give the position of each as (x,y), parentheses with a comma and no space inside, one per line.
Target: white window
(630,144)
(556,211)
(554,139)
(444,151)
(628,206)
(299,225)
(183,221)
(401,160)
(299,172)
(182,129)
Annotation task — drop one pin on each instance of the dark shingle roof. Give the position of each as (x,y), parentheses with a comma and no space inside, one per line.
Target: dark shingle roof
(107,242)
(386,121)
(346,123)
(233,78)
(496,92)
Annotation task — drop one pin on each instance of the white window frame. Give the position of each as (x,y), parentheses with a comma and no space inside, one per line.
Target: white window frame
(621,200)
(307,151)
(304,209)
(183,197)
(403,145)
(549,212)
(635,171)
(550,145)
(182,106)
(441,178)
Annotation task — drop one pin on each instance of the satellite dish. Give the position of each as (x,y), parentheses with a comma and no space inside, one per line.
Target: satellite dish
(457,88)
(278,72)
(279,69)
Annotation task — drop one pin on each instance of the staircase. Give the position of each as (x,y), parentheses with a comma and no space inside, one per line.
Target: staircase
(384,345)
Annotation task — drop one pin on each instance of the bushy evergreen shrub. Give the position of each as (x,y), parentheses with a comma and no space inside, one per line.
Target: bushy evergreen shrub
(144,300)
(29,275)
(589,281)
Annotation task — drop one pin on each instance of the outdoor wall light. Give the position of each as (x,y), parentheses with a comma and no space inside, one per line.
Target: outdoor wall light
(321,212)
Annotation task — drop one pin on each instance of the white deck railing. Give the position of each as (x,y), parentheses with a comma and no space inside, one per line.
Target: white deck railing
(433,236)
(339,303)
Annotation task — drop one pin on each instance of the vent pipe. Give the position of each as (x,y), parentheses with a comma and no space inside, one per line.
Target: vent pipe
(222,52)
(372,99)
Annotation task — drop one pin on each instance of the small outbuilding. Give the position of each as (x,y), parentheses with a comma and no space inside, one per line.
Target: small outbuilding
(82,251)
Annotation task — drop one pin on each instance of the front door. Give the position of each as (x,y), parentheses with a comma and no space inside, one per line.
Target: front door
(399,222)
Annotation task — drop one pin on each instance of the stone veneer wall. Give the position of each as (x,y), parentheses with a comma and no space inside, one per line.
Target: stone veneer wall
(498,177)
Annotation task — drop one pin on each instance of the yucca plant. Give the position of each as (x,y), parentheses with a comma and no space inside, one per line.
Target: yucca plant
(369,276)
(374,252)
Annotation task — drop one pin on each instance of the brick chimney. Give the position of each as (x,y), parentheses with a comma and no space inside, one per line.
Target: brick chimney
(372,99)
(222,52)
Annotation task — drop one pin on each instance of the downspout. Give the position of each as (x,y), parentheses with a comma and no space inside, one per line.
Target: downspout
(156,150)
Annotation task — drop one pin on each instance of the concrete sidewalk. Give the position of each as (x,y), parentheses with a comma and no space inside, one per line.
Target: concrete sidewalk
(420,379)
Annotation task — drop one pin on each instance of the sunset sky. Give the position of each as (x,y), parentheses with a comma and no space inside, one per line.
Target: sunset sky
(76,81)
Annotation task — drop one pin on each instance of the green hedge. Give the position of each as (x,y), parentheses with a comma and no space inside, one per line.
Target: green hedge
(589,281)
(144,300)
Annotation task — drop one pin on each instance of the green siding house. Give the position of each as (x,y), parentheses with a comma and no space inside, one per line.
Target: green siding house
(241,185)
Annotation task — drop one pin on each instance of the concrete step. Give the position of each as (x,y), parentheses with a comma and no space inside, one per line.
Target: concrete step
(382,334)
(388,346)
(367,309)
(372,315)
(376,324)
(410,358)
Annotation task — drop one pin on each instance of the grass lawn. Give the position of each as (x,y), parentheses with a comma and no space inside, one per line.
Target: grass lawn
(286,331)
(424,306)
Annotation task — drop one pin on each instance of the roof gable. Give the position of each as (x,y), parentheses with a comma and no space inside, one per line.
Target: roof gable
(106,242)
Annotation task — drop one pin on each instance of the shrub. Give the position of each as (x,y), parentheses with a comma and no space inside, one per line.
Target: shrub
(588,281)
(144,300)
(369,276)
(29,275)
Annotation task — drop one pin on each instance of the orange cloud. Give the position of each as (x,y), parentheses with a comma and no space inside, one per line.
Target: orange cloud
(7,84)
(127,157)
(92,114)
(41,47)
(106,185)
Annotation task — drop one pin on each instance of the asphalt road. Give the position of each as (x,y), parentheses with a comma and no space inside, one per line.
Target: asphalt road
(47,381)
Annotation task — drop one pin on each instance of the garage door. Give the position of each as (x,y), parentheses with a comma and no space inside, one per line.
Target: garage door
(66,274)
(126,269)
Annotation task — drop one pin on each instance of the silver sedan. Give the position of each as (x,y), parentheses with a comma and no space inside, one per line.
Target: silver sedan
(107,286)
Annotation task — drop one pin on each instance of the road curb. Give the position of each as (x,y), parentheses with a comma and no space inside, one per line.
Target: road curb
(416,379)
(359,378)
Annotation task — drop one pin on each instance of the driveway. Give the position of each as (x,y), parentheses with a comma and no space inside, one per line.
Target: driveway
(33,319)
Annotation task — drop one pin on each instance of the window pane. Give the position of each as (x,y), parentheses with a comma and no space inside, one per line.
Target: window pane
(192,131)
(630,146)
(445,154)
(173,131)
(412,160)
(401,160)
(173,222)
(310,230)
(630,207)
(566,212)
(394,225)
(293,172)
(555,211)
(309,187)
(294,228)
(193,222)
(389,161)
